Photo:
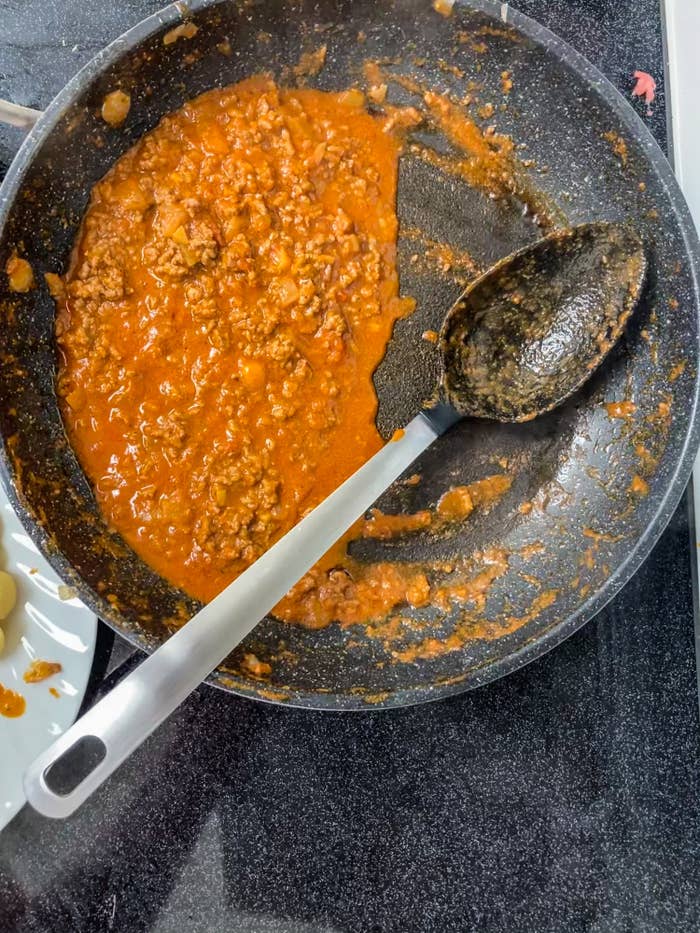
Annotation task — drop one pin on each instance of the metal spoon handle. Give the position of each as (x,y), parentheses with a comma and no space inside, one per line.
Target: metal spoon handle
(65,775)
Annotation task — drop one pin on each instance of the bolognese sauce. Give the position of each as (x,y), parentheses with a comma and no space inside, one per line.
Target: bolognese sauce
(231,292)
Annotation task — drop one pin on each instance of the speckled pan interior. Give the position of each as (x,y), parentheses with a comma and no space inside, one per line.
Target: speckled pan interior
(589,532)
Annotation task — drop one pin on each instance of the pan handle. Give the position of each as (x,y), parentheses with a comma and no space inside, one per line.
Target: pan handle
(16,115)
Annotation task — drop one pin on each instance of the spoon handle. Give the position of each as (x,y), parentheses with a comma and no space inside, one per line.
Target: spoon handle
(77,763)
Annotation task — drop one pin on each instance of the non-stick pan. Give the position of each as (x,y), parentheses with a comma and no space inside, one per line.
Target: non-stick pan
(576,524)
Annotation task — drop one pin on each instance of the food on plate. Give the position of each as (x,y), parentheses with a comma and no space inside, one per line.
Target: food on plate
(40,670)
(12,703)
(8,594)
(8,599)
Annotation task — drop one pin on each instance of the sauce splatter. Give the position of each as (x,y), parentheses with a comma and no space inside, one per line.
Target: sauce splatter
(676,371)
(623,410)
(311,63)
(618,145)
(648,462)
(183,31)
(41,670)
(601,536)
(489,490)
(383,527)
(492,155)
(455,505)
(662,415)
(12,704)
(468,630)
(254,666)
(639,486)
(443,7)
(447,259)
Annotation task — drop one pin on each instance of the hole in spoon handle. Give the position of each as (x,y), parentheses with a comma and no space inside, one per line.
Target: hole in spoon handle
(70,769)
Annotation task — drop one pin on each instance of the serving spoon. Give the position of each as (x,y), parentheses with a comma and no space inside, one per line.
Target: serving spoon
(521,339)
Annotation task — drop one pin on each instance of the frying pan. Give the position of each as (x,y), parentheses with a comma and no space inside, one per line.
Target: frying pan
(572,524)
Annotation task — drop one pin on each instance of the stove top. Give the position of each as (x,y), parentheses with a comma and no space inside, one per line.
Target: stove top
(563,798)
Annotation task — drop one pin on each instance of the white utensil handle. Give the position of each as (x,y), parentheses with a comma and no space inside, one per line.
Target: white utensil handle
(16,115)
(109,732)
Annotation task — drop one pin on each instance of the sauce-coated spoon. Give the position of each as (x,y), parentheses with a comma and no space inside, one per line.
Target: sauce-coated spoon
(530,331)
(520,340)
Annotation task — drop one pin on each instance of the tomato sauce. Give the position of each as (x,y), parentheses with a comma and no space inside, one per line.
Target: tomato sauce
(12,704)
(40,670)
(232,291)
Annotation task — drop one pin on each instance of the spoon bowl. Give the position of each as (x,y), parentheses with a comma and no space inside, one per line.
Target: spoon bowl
(530,331)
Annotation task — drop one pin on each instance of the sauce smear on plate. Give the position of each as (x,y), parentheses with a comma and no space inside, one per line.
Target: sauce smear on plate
(12,704)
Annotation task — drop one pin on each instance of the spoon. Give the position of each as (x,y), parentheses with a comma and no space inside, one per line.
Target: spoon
(519,341)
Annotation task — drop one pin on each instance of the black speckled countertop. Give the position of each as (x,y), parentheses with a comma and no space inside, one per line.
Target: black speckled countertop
(563,799)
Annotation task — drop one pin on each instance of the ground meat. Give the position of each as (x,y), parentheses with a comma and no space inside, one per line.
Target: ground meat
(233,289)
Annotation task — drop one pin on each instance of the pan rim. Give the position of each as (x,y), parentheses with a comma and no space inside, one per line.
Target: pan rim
(677,479)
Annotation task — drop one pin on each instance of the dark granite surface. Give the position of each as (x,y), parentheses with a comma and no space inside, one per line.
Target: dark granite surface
(564,798)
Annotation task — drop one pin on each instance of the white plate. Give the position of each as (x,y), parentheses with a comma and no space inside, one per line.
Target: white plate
(45,627)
